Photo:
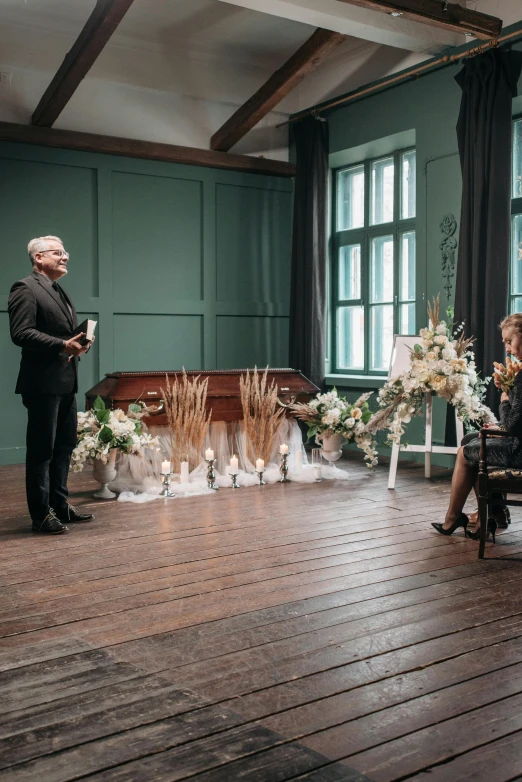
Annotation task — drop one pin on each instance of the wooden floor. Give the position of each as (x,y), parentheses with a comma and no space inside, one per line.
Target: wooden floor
(308,632)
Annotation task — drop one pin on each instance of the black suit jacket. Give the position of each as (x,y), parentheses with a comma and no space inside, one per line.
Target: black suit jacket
(40,322)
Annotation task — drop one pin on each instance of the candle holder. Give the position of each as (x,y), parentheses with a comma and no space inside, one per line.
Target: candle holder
(317,464)
(235,484)
(283,469)
(211,475)
(259,474)
(166,483)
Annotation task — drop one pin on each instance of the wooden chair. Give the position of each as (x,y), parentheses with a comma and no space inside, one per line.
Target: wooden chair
(492,480)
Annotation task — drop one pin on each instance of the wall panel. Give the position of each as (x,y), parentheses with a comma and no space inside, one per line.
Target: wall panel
(38,198)
(157,230)
(13,413)
(180,266)
(145,342)
(253,244)
(245,342)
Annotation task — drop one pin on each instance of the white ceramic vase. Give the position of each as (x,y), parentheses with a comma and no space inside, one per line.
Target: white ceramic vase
(105,474)
(331,447)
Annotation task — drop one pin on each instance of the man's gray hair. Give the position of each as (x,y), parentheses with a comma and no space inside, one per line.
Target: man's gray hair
(40,245)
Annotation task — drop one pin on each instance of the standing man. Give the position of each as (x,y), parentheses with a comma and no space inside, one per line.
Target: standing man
(42,319)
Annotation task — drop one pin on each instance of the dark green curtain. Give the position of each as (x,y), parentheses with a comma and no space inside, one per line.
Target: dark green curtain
(484,128)
(309,250)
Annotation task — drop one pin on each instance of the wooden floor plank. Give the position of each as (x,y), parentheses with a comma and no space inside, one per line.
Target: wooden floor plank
(317,632)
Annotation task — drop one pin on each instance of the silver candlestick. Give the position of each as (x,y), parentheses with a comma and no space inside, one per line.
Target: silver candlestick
(211,475)
(283,469)
(235,484)
(260,476)
(166,483)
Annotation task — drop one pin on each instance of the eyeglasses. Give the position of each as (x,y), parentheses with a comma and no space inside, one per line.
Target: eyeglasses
(58,253)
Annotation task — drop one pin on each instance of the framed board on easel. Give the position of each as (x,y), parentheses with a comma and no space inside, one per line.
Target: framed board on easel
(400,362)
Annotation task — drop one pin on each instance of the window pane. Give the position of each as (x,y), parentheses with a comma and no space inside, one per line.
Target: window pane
(516,305)
(381,336)
(382,191)
(350,338)
(407,319)
(517,159)
(350,198)
(381,273)
(407,268)
(350,272)
(516,255)
(408,184)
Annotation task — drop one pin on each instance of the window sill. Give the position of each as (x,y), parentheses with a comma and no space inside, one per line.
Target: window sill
(356,381)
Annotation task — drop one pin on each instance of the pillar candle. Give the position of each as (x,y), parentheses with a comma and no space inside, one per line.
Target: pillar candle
(298,461)
(260,465)
(209,454)
(165,467)
(283,448)
(234,464)
(184,472)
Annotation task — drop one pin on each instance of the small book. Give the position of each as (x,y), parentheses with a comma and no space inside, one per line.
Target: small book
(87,327)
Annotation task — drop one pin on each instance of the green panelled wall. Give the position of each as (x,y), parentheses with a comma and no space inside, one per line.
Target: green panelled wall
(426,110)
(181,265)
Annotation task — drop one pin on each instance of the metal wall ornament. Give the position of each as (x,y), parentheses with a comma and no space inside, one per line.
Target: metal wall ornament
(448,248)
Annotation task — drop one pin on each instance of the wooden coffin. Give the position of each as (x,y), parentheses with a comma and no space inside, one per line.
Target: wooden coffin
(119,389)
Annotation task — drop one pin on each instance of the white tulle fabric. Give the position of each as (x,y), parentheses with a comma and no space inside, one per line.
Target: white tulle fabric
(138,479)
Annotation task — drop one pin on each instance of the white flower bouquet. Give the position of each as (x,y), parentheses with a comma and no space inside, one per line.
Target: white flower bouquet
(101,429)
(329,414)
(440,364)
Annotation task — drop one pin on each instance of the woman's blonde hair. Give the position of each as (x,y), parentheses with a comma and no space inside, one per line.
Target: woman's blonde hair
(513,321)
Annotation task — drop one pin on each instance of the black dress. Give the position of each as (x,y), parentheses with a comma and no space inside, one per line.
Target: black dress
(502,451)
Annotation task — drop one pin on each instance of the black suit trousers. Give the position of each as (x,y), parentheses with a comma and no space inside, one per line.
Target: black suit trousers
(51,439)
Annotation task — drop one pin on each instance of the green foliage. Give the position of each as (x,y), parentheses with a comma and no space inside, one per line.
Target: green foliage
(103,416)
(133,408)
(98,404)
(105,435)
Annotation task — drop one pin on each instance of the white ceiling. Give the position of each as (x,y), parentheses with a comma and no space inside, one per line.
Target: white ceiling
(217,51)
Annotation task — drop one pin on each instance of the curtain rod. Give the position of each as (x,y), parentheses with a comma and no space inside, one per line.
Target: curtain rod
(441,61)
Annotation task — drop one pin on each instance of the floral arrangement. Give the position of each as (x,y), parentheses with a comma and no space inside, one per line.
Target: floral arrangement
(329,414)
(440,363)
(261,413)
(504,376)
(101,429)
(187,417)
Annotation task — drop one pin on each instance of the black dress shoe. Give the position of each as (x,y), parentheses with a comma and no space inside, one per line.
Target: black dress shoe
(462,521)
(490,530)
(70,513)
(50,525)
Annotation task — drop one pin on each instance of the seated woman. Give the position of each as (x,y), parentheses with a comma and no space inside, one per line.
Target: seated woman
(502,451)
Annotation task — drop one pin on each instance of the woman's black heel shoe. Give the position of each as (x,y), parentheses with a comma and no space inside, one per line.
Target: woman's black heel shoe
(491,530)
(462,521)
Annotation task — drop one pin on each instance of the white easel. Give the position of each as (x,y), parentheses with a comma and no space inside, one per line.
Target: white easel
(400,362)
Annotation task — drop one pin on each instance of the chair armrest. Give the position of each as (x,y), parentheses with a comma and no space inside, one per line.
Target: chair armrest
(483,454)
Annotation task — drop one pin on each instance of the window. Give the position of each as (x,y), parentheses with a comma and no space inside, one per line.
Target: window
(373,280)
(515,303)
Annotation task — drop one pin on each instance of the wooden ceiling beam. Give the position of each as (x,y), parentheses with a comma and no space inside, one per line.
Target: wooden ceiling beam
(148,150)
(447,16)
(101,24)
(283,81)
